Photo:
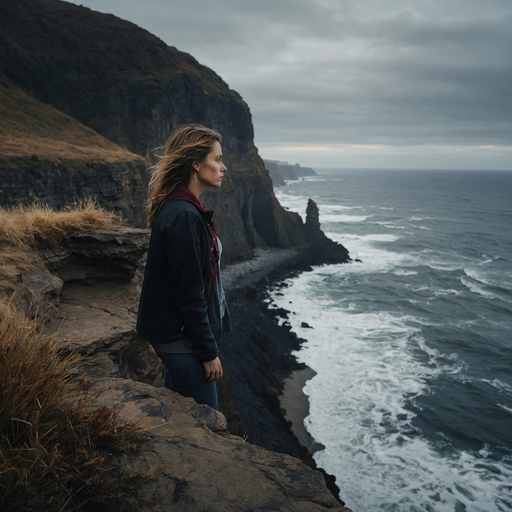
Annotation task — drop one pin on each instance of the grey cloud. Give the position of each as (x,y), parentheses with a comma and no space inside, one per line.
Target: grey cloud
(363,72)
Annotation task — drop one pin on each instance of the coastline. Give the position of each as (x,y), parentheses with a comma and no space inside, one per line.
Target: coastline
(262,394)
(293,401)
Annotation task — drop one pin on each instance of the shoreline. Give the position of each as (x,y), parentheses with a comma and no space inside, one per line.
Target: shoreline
(295,404)
(293,400)
(263,397)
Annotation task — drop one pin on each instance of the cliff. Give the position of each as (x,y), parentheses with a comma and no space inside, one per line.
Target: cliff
(49,157)
(277,179)
(133,90)
(86,285)
(280,171)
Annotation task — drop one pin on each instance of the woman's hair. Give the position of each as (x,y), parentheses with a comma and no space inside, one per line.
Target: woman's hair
(187,145)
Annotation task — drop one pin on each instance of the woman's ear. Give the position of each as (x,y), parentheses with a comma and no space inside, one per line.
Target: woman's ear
(195,165)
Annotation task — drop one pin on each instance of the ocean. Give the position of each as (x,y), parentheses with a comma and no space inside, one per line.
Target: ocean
(412,345)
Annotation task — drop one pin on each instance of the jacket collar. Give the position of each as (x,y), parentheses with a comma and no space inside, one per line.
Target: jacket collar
(184,194)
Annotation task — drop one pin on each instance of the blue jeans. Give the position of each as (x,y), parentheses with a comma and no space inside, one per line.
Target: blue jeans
(184,373)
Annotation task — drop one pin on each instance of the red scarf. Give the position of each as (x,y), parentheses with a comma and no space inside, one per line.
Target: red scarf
(184,194)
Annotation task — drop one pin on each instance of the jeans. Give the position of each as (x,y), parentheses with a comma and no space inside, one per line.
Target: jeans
(184,373)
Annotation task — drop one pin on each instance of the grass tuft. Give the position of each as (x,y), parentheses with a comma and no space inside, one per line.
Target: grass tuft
(23,226)
(53,444)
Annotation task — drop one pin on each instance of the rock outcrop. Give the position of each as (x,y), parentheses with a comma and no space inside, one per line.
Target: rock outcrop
(133,89)
(280,171)
(197,463)
(321,249)
(277,179)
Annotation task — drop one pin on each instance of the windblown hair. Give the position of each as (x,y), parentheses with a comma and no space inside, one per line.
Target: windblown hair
(187,145)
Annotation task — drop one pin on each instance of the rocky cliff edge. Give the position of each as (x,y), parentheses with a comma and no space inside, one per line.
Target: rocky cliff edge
(87,290)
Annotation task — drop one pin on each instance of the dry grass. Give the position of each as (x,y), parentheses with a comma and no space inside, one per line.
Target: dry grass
(23,226)
(54,446)
(52,443)
(29,127)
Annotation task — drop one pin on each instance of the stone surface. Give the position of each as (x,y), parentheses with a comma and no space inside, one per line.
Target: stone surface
(98,322)
(106,256)
(115,253)
(200,466)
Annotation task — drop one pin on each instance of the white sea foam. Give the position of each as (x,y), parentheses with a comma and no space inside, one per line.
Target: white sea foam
(405,272)
(477,275)
(368,249)
(438,292)
(477,288)
(366,374)
(342,218)
(389,225)
(419,219)
(502,387)
(294,203)
(329,208)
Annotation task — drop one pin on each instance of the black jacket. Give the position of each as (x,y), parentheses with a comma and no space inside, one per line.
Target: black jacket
(175,300)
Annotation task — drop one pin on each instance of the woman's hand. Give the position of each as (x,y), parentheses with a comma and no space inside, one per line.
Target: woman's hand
(212,370)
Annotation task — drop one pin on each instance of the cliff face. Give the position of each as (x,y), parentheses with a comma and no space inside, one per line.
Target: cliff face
(50,157)
(117,186)
(132,89)
(280,171)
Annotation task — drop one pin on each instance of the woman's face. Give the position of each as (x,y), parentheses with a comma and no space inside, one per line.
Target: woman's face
(210,173)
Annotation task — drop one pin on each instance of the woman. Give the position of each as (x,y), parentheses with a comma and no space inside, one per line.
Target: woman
(182,309)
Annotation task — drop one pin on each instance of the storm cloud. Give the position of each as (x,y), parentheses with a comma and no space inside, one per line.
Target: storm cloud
(424,83)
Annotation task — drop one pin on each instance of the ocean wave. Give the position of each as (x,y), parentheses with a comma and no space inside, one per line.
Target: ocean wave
(335,207)
(477,276)
(419,219)
(389,225)
(505,407)
(439,292)
(477,288)
(369,250)
(498,281)
(334,218)
(405,272)
(367,373)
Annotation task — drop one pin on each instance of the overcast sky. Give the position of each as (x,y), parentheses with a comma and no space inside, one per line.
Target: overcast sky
(355,83)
